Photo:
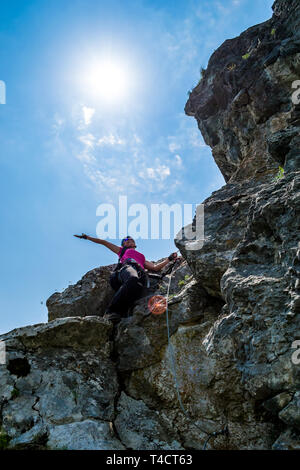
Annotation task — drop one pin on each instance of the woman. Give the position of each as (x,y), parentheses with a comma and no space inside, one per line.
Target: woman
(131,274)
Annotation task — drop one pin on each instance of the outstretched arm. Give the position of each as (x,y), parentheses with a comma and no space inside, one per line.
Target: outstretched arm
(109,245)
(162,264)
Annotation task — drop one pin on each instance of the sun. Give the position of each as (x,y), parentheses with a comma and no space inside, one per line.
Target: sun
(108,79)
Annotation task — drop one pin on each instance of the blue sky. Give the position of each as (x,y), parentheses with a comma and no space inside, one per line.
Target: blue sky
(67,147)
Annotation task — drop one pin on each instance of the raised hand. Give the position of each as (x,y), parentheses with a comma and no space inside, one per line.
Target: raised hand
(83,235)
(172,256)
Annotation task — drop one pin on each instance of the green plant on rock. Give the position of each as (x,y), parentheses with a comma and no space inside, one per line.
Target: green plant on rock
(4,439)
(182,282)
(246,56)
(202,72)
(280,173)
(273,31)
(15,393)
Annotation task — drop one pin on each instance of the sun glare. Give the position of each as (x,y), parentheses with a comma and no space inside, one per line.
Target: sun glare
(108,79)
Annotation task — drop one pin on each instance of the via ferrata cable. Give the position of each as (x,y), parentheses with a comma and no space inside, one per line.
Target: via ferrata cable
(170,346)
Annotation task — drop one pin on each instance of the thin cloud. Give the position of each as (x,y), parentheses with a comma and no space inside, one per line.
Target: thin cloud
(137,139)
(178,160)
(159,173)
(58,123)
(187,135)
(173,146)
(182,47)
(88,140)
(110,140)
(86,157)
(88,114)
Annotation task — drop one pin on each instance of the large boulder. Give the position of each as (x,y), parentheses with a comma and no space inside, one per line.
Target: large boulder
(59,378)
(89,296)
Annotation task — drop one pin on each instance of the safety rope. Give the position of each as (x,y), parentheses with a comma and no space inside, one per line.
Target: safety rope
(170,346)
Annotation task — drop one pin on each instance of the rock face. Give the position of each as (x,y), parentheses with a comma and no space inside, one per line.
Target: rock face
(89,296)
(62,386)
(226,360)
(59,383)
(243,103)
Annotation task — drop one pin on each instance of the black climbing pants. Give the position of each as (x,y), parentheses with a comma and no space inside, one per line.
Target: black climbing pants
(131,282)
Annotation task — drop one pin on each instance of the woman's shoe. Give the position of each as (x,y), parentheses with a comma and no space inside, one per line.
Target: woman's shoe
(113,317)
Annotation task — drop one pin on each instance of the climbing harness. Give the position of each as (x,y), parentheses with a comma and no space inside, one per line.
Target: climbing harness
(210,435)
(114,279)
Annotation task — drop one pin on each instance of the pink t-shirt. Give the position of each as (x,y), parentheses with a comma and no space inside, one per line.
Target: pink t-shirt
(132,253)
